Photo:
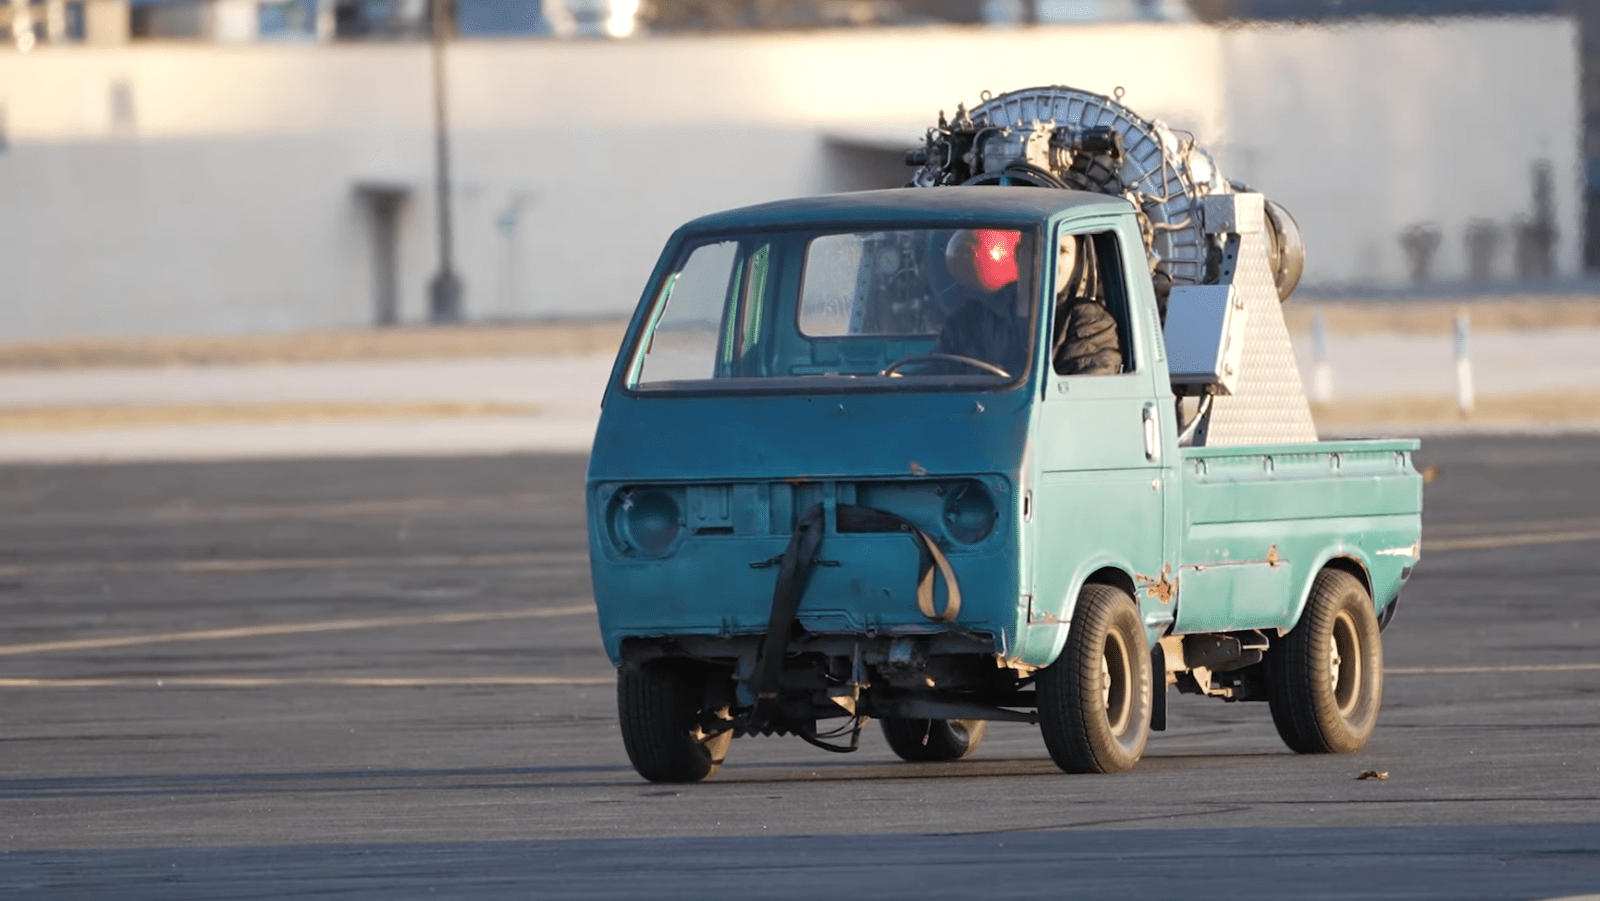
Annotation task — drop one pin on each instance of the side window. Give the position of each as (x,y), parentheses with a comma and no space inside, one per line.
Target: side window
(1090,335)
(683,344)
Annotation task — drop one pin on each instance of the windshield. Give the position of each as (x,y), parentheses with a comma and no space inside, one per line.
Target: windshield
(806,311)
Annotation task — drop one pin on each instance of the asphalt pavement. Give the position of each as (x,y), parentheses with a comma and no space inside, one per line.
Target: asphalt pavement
(351,408)
(381,678)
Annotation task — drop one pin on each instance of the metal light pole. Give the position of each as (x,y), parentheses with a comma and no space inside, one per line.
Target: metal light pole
(444,292)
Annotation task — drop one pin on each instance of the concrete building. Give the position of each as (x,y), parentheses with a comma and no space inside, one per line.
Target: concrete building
(27,23)
(233,21)
(222,189)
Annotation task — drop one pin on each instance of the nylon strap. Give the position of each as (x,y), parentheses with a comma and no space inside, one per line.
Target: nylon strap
(793,571)
(930,561)
(925,584)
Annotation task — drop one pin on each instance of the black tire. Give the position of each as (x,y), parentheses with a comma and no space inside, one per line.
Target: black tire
(1095,700)
(921,741)
(659,706)
(1325,678)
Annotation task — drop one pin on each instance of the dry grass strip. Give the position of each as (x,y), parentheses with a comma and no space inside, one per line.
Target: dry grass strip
(1437,317)
(1546,408)
(123,416)
(600,336)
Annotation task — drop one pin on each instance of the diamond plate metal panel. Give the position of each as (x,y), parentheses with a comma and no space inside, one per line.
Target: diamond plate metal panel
(1268,406)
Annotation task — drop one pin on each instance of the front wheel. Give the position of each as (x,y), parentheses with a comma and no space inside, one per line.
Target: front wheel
(1325,678)
(1095,700)
(920,741)
(662,707)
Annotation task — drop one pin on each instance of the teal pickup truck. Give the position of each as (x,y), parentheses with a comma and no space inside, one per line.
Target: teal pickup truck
(917,455)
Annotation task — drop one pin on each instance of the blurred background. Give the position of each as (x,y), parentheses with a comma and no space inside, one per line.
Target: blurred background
(248,166)
(240,227)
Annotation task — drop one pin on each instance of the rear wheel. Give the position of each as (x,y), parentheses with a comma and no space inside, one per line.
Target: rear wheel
(1095,700)
(932,740)
(1325,678)
(662,707)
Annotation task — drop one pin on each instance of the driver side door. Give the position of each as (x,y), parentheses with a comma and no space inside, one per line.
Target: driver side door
(1104,478)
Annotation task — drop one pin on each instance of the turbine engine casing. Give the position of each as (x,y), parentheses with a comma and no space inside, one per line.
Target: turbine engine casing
(1063,137)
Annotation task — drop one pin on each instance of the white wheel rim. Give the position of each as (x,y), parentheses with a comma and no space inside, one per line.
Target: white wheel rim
(1116,677)
(1344,665)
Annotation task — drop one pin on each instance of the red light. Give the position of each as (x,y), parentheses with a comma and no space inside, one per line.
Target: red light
(985,258)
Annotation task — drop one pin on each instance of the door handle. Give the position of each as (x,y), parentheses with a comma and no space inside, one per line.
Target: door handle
(1152,433)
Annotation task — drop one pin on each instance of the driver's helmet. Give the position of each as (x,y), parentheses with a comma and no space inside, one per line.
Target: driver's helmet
(983,259)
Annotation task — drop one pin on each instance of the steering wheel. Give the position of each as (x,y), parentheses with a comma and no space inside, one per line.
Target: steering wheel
(892,370)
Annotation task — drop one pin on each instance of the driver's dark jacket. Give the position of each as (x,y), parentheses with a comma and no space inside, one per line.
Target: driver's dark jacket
(987,330)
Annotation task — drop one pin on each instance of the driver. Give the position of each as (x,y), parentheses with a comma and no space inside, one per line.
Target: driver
(1086,340)
(988,326)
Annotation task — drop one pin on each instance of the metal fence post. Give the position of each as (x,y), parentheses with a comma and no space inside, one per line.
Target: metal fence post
(1321,369)
(1465,400)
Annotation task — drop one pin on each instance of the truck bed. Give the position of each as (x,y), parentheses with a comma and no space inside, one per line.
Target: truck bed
(1260,521)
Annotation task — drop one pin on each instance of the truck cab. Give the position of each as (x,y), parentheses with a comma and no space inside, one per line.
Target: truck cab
(915,455)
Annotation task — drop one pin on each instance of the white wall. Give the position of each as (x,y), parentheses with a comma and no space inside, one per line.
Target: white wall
(218,193)
(1364,130)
